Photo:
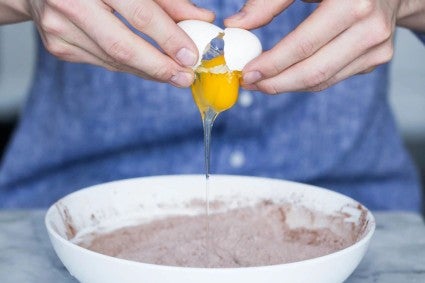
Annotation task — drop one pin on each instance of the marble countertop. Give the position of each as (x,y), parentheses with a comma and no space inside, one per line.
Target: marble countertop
(396,253)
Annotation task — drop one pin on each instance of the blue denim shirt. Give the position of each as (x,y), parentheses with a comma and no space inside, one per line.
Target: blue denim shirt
(84,125)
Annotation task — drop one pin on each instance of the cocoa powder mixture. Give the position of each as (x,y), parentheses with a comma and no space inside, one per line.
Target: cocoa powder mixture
(250,236)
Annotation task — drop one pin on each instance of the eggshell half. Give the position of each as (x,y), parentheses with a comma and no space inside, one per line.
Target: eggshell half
(201,33)
(240,46)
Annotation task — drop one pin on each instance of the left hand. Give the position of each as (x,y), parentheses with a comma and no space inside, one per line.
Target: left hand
(339,39)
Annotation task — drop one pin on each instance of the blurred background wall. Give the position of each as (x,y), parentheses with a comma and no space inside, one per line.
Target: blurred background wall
(17,58)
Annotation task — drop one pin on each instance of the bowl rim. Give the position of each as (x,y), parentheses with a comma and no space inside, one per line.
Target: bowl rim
(363,241)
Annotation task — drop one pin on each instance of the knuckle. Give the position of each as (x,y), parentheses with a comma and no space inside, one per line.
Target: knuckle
(49,24)
(383,29)
(110,62)
(58,50)
(142,17)
(363,8)
(269,88)
(112,65)
(305,48)
(250,6)
(169,40)
(120,52)
(316,78)
(386,54)
(163,72)
(367,71)
(54,3)
(320,87)
(276,67)
(271,63)
(111,68)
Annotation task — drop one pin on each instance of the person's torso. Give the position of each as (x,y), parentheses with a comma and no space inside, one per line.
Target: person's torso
(84,125)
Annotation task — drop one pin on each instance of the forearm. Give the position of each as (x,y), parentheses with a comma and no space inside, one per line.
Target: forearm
(411,15)
(12,11)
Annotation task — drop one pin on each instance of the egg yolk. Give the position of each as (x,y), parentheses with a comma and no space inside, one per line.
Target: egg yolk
(215,87)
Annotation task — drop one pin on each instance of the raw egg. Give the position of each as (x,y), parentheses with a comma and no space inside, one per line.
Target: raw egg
(222,56)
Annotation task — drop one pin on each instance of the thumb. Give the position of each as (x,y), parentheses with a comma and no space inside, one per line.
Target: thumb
(180,10)
(256,13)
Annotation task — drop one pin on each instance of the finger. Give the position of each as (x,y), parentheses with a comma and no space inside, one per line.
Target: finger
(61,34)
(256,13)
(71,44)
(323,65)
(367,71)
(58,28)
(149,18)
(326,23)
(56,25)
(71,53)
(180,10)
(68,52)
(121,44)
(366,63)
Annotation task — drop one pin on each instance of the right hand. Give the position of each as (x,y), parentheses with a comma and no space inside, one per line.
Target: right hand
(89,32)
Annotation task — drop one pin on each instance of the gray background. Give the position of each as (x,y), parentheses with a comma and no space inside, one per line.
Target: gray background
(407,97)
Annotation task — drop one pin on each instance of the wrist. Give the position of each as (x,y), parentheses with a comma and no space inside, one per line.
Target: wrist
(411,15)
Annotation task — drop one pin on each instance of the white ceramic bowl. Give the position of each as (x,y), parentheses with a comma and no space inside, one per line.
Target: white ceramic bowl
(153,197)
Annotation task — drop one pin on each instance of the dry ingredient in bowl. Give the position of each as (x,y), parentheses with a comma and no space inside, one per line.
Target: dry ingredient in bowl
(250,236)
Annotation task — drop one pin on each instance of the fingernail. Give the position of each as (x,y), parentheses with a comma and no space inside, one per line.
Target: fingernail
(251,77)
(237,16)
(182,79)
(186,57)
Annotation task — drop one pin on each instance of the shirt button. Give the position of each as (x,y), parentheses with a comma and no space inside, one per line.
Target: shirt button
(245,99)
(237,159)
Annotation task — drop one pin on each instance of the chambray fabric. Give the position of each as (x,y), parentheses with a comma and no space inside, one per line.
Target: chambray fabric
(83,125)
(421,36)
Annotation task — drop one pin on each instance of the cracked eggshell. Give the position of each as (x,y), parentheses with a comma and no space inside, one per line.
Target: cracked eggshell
(240,46)
(201,33)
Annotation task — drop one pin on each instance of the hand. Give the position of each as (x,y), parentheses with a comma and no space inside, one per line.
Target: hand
(13,11)
(339,39)
(89,32)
